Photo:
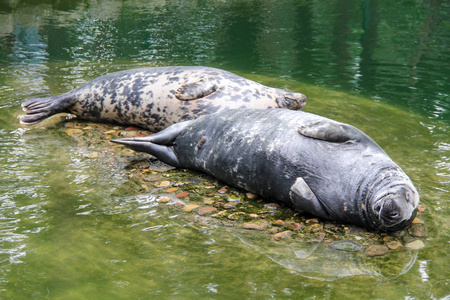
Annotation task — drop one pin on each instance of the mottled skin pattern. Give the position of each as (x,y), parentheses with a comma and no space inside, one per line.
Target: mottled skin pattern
(317,165)
(155,98)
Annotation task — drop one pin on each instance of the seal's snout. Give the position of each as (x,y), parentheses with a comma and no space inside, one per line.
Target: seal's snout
(295,101)
(398,208)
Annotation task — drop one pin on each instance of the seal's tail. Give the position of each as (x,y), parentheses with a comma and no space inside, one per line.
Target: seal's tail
(38,109)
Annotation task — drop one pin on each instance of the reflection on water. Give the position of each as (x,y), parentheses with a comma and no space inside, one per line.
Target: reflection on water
(68,230)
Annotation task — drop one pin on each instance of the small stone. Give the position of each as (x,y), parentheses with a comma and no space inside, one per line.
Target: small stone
(346,245)
(131,128)
(394,245)
(230,205)
(415,245)
(251,196)
(259,225)
(220,214)
(312,221)
(162,184)
(314,228)
(417,230)
(417,221)
(207,210)
(376,250)
(271,206)
(110,131)
(92,155)
(209,202)
(282,235)
(164,199)
(73,131)
(182,195)
(389,238)
(421,208)
(171,190)
(273,230)
(236,216)
(355,230)
(222,191)
(294,226)
(278,223)
(190,207)
(253,216)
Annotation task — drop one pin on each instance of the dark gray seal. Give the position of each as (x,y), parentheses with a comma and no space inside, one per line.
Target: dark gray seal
(155,98)
(320,166)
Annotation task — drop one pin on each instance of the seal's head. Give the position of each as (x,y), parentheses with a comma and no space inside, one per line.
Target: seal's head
(293,101)
(393,202)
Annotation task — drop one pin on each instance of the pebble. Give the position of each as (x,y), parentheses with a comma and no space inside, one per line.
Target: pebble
(282,235)
(207,210)
(259,225)
(394,245)
(164,199)
(346,245)
(271,206)
(312,221)
(417,221)
(171,190)
(251,196)
(377,250)
(415,245)
(278,223)
(162,184)
(417,230)
(73,131)
(222,191)
(220,214)
(294,226)
(92,155)
(182,194)
(421,208)
(230,205)
(190,207)
(314,227)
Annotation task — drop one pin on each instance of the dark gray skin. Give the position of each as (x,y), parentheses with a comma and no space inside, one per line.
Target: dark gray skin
(155,98)
(317,165)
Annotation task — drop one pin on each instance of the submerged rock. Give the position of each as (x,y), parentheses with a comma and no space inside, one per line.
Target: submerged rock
(346,245)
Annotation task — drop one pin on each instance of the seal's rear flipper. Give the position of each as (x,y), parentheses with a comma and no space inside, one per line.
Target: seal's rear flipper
(159,144)
(163,153)
(38,109)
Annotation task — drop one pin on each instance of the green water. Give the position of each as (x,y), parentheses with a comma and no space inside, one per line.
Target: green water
(70,230)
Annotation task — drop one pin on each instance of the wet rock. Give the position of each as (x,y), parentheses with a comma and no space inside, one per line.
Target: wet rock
(92,155)
(417,221)
(417,230)
(237,216)
(182,194)
(271,206)
(162,184)
(294,226)
(207,210)
(222,191)
(394,245)
(190,207)
(312,221)
(171,190)
(421,208)
(230,205)
(73,131)
(259,225)
(282,235)
(415,245)
(220,214)
(352,229)
(346,245)
(251,196)
(253,216)
(278,223)
(376,250)
(164,199)
(274,230)
(314,228)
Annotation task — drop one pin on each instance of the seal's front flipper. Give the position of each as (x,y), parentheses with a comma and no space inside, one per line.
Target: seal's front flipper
(330,131)
(195,90)
(38,109)
(305,200)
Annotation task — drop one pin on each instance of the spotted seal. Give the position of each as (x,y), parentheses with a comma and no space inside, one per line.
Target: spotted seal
(157,97)
(319,166)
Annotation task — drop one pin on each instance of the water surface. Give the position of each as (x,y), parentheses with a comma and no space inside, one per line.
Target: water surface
(70,229)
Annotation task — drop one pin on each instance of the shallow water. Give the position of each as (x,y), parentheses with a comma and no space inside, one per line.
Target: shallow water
(70,228)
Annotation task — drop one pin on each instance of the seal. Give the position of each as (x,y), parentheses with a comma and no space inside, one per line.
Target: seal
(317,165)
(157,97)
